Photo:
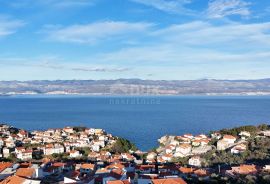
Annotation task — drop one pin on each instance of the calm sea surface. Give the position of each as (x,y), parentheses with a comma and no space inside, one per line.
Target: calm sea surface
(140,119)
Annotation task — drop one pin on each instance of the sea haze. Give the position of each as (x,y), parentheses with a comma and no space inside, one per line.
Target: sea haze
(140,119)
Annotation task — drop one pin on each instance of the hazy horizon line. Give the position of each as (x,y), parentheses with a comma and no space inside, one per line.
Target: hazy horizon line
(136,79)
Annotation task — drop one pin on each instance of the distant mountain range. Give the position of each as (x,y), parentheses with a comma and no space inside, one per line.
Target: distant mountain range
(138,87)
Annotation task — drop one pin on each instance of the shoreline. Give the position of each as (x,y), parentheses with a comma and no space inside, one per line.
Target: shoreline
(119,136)
(176,115)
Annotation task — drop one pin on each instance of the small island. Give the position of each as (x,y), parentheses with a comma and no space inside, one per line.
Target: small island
(91,155)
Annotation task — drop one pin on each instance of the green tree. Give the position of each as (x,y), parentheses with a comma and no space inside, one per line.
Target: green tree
(123,145)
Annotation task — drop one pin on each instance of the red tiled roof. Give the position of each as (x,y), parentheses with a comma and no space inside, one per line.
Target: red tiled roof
(4,165)
(117,173)
(22,132)
(25,165)
(88,166)
(20,148)
(145,167)
(229,137)
(25,172)
(201,172)
(186,170)
(28,151)
(245,169)
(185,145)
(59,164)
(168,155)
(115,165)
(169,181)
(119,182)
(13,180)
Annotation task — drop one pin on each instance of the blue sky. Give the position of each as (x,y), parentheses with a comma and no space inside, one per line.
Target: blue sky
(147,39)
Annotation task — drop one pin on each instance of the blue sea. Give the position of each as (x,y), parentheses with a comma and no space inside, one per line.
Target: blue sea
(140,119)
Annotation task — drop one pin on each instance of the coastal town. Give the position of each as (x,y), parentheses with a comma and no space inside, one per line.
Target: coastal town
(93,156)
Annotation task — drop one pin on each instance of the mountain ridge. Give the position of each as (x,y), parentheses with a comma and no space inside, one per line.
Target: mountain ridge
(138,86)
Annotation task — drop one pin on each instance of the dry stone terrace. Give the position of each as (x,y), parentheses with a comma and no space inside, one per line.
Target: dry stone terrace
(86,155)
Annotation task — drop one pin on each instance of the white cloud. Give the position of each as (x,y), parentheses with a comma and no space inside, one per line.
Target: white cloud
(57,63)
(177,62)
(9,26)
(205,34)
(176,55)
(170,6)
(100,69)
(223,8)
(94,32)
(191,50)
(200,46)
(199,43)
